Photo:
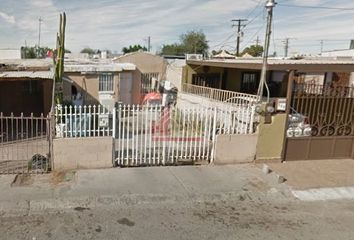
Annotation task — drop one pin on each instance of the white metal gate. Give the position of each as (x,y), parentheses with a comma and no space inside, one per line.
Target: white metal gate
(156,135)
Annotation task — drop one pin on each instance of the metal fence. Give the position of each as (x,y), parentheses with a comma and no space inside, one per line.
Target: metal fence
(83,121)
(156,135)
(219,94)
(321,111)
(152,135)
(24,144)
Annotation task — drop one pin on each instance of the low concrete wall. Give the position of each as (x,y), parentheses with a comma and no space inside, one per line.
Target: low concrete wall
(82,153)
(232,149)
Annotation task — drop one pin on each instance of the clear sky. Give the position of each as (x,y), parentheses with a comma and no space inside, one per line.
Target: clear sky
(113,24)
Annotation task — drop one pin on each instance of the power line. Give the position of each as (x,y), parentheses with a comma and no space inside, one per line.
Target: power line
(316,7)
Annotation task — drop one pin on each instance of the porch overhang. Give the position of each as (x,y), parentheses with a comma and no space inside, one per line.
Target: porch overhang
(302,65)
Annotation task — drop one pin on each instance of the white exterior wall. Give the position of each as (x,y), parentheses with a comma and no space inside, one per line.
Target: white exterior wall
(10,54)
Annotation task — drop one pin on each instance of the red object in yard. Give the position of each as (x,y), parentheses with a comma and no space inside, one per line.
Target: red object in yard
(153,96)
(161,126)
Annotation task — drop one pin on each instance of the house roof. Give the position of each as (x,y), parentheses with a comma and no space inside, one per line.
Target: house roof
(135,53)
(224,55)
(27,74)
(26,64)
(102,65)
(320,64)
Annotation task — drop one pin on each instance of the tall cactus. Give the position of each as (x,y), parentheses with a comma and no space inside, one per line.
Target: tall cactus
(59,60)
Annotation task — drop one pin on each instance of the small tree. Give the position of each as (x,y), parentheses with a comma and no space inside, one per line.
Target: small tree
(133,48)
(88,50)
(190,42)
(194,42)
(34,52)
(253,50)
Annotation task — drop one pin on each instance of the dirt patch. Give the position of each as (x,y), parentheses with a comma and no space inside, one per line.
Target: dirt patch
(81,209)
(22,180)
(60,177)
(126,221)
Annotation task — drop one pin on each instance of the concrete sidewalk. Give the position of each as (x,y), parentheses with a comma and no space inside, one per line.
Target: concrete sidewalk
(136,185)
(318,179)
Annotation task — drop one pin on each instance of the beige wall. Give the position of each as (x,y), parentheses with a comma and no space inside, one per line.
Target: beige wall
(82,153)
(88,85)
(233,149)
(145,62)
(271,139)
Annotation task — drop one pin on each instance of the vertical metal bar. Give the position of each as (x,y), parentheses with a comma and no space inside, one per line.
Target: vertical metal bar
(133,112)
(70,119)
(85,119)
(214,137)
(128,136)
(165,112)
(156,116)
(123,135)
(94,121)
(160,115)
(145,133)
(89,121)
(172,135)
(137,113)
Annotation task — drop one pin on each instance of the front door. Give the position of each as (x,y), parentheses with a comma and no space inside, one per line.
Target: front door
(125,88)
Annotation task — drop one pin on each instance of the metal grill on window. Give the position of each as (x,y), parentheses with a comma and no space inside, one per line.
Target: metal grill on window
(105,82)
(147,82)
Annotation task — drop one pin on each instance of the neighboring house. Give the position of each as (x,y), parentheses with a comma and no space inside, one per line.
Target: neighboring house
(174,72)
(315,123)
(243,75)
(26,86)
(92,82)
(343,53)
(149,69)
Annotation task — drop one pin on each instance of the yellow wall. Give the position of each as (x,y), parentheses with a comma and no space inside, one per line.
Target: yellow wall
(271,139)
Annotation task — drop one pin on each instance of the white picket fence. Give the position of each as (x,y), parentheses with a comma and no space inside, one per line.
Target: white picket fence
(83,121)
(156,135)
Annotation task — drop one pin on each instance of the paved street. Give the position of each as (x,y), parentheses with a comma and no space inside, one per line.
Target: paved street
(232,219)
(206,202)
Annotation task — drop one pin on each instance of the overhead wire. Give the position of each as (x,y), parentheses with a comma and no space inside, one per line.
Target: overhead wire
(316,7)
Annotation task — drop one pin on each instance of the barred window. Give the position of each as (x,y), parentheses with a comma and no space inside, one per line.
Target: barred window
(105,82)
(249,82)
(147,82)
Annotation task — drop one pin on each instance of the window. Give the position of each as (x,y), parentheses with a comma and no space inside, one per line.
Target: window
(211,80)
(106,82)
(249,82)
(147,82)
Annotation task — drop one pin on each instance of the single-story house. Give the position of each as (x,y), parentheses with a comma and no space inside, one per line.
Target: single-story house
(92,82)
(26,86)
(243,75)
(149,69)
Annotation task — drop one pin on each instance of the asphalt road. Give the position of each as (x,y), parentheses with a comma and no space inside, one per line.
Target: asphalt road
(242,218)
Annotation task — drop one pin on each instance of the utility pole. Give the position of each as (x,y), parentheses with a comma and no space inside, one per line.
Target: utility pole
(286,46)
(269,6)
(322,44)
(238,25)
(149,43)
(258,41)
(40,20)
